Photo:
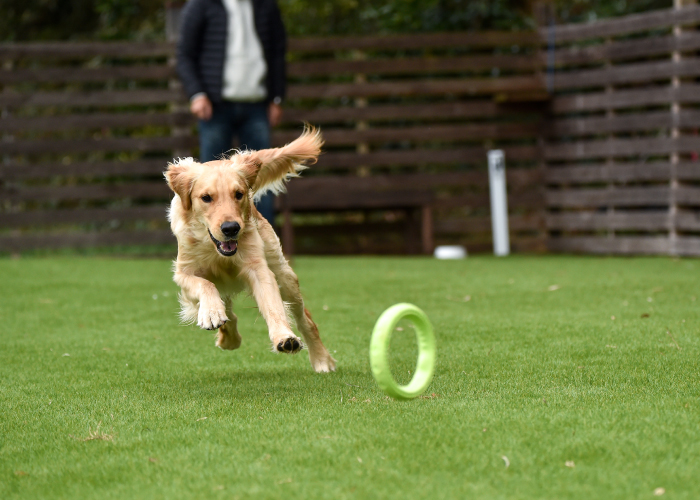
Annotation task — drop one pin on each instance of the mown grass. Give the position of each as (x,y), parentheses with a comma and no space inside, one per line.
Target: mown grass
(104,395)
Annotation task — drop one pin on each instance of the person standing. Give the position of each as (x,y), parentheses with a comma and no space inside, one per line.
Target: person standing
(231,60)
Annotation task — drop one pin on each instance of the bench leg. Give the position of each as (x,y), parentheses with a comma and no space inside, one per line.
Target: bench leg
(413,231)
(427,229)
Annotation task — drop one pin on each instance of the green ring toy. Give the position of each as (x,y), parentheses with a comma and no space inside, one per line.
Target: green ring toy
(379,351)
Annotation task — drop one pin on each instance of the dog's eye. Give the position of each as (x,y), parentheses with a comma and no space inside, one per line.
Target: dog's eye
(239,195)
(206,198)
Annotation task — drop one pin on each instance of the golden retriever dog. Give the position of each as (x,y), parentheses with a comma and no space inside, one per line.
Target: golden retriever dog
(225,246)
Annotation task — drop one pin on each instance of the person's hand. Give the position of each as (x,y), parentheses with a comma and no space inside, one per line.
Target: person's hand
(274,114)
(201,108)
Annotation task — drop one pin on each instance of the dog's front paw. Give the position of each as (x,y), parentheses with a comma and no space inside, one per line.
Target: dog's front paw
(290,344)
(212,315)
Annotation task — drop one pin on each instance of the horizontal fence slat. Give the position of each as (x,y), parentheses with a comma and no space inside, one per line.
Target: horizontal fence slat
(530,200)
(321,201)
(688,195)
(386,112)
(39,194)
(18,243)
(595,221)
(517,179)
(606,197)
(83,216)
(413,65)
(99,98)
(602,245)
(86,75)
(688,221)
(627,49)
(415,41)
(626,245)
(688,171)
(621,147)
(657,171)
(687,245)
(384,182)
(686,93)
(628,122)
(628,73)
(411,157)
(625,25)
(482,224)
(13,124)
(461,132)
(93,169)
(482,39)
(468,86)
(76,50)
(327,161)
(35,147)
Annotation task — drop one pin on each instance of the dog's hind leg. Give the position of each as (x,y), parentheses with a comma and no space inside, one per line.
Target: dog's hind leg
(320,358)
(228,337)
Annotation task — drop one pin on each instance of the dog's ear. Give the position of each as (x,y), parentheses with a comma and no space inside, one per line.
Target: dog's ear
(250,168)
(180,176)
(269,169)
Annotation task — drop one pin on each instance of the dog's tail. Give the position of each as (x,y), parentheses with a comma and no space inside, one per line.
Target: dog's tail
(274,167)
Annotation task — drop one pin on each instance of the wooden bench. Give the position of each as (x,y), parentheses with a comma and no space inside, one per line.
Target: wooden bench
(347,193)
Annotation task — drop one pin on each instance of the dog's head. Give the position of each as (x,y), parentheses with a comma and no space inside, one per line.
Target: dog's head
(215,195)
(219,195)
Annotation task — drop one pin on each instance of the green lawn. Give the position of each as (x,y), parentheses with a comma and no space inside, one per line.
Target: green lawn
(532,367)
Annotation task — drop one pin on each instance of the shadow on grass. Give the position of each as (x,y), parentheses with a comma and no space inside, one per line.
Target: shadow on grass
(282,384)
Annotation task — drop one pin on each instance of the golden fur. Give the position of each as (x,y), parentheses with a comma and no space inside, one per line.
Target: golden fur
(211,194)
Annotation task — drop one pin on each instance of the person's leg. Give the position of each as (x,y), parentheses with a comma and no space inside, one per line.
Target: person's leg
(254,133)
(216,134)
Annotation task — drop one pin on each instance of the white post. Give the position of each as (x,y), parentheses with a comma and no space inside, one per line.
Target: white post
(499,202)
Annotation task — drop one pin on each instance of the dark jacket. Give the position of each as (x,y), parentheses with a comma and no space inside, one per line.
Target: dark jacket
(201,49)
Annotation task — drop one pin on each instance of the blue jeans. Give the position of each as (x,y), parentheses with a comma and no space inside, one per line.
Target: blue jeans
(246,120)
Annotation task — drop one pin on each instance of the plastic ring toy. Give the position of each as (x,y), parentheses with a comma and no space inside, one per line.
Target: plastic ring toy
(379,351)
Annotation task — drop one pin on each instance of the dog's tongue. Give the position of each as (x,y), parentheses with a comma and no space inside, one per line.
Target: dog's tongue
(228,246)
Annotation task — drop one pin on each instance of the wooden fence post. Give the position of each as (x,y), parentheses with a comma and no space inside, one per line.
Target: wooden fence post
(675,134)
(362,148)
(610,160)
(545,17)
(172,32)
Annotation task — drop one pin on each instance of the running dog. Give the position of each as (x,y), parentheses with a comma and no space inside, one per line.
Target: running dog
(225,246)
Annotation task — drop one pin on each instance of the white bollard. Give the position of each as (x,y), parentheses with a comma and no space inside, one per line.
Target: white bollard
(499,202)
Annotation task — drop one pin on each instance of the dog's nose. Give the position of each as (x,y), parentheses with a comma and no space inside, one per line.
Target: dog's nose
(230,229)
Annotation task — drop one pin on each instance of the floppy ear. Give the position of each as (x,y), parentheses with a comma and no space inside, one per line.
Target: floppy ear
(269,169)
(180,176)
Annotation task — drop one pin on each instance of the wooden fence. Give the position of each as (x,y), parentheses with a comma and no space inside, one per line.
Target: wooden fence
(87,130)
(598,122)
(622,150)
(86,133)
(416,113)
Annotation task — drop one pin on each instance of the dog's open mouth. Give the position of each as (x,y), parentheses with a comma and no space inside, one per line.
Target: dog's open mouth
(226,248)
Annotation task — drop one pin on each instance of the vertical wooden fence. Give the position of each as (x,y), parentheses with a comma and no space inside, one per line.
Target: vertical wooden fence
(86,130)
(417,113)
(622,149)
(599,123)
